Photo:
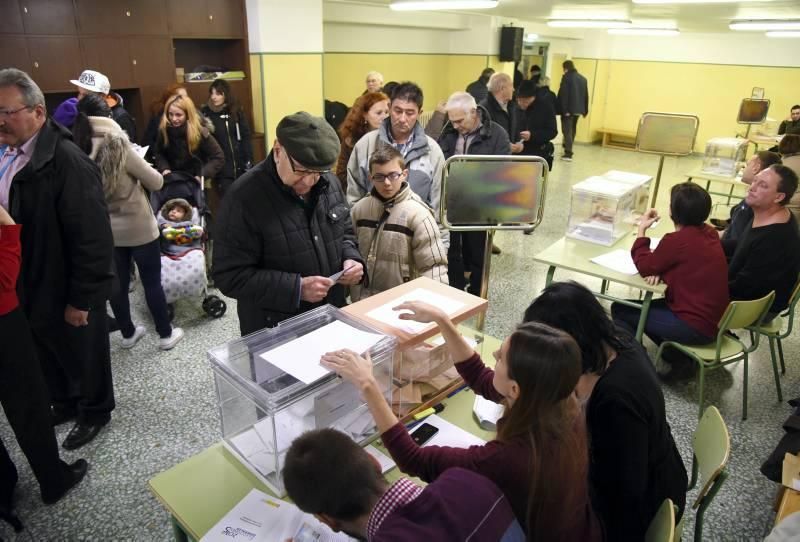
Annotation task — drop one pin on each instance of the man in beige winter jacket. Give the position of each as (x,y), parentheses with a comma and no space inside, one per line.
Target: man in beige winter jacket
(397,232)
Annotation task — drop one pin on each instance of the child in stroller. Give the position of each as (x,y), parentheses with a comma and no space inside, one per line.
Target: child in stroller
(181,213)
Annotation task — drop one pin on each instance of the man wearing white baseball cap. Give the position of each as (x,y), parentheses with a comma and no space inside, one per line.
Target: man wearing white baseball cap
(95,82)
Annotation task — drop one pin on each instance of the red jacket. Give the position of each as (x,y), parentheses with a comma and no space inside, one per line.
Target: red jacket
(692,264)
(9,267)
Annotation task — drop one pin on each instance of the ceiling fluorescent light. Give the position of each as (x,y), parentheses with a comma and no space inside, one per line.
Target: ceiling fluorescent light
(531,37)
(686,1)
(431,5)
(644,31)
(588,23)
(783,34)
(765,24)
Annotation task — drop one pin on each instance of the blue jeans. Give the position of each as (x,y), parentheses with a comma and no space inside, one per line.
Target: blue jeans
(148,260)
(662,324)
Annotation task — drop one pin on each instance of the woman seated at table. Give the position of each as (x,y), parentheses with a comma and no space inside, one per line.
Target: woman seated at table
(692,264)
(539,458)
(635,464)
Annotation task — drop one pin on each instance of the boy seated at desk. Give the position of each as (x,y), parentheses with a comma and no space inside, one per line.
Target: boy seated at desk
(332,477)
(397,232)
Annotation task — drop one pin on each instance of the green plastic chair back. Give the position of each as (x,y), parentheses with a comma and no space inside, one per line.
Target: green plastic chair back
(662,526)
(741,314)
(712,447)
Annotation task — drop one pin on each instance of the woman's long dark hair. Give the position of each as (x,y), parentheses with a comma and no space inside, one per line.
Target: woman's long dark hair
(91,105)
(546,363)
(224,88)
(571,307)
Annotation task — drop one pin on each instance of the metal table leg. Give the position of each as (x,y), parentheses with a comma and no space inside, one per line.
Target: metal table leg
(648,296)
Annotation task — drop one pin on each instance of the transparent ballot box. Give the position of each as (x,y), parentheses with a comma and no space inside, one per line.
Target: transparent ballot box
(604,208)
(271,387)
(723,154)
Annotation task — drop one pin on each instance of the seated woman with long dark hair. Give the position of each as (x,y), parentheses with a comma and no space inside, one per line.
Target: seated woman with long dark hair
(540,456)
(184,144)
(634,463)
(692,264)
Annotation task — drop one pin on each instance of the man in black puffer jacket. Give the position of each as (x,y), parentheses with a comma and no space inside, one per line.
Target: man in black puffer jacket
(284,228)
(470,130)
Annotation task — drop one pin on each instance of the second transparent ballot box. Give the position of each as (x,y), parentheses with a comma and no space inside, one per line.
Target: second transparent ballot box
(271,388)
(603,209)
(723,154)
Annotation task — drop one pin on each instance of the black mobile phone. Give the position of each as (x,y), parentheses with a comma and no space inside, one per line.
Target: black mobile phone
(424,433)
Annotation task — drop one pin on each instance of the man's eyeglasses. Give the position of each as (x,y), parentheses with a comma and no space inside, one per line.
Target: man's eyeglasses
(4,113)
(380,177)
(305,172)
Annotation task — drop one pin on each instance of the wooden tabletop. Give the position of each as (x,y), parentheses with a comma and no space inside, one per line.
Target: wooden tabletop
(471,305)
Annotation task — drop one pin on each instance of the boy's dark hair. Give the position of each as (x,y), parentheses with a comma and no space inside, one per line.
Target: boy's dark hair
(689,204)
(568,65)
(787,184)
(325,472)
(535,68)
(795,107)
(385,154)
(407,91)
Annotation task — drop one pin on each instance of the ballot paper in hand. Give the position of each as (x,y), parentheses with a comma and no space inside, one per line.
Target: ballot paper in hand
(387,315)
(300,357)
(261,518)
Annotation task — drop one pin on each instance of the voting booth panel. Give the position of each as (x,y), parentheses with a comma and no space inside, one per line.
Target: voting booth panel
(271,387)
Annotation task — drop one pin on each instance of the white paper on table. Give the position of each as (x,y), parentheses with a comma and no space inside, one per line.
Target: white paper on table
(385,314)
(261,518)
(384,460)
(620,260)
(300,357)
(451,435)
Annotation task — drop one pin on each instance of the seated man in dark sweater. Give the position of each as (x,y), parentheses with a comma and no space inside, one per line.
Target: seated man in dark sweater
(332,477)
(741,215)
(767,255)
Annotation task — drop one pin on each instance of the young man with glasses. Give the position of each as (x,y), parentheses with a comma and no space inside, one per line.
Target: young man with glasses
(396,231)
(284,228)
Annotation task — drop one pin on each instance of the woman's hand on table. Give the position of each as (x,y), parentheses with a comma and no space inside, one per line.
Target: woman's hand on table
(350,366)
(420,311)
(652,280)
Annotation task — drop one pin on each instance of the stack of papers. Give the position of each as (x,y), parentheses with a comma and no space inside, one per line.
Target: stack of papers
(261,518)
(387,315)
(620,260)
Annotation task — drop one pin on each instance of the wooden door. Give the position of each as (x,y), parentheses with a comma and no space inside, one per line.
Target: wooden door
(11,20)
(48,16)
(54,61)
(14,53)
(147,17)
(99,17)
(188,17)
(153,61)
(226,18)
(111,57)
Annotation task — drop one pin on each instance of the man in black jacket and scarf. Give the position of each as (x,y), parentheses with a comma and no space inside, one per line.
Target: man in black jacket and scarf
(67,250)
(470,130)
(284,228)
(538,127)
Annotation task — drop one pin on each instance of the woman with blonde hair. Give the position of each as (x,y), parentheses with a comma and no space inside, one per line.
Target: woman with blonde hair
(366,115)
(184,144)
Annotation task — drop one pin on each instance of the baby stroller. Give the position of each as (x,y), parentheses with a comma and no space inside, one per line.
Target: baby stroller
(184,275)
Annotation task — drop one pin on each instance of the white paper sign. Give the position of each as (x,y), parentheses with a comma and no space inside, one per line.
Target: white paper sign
(385,314)
(300,357)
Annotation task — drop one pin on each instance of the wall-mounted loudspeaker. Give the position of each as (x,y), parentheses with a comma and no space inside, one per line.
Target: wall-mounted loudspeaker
(511,43)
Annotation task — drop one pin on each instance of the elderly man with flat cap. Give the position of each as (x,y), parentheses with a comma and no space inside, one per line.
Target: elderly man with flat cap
(284,233)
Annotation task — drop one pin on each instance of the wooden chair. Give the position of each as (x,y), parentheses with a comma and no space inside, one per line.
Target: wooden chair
(711,447)
(662,526)
(728,348)
(772,330)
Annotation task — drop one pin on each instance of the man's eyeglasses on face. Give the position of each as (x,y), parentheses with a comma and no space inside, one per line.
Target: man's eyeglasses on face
(305,172)
(5,113)
(380,177)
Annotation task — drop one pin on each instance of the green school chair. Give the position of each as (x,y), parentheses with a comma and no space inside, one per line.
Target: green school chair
(772,330)
(662,526)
